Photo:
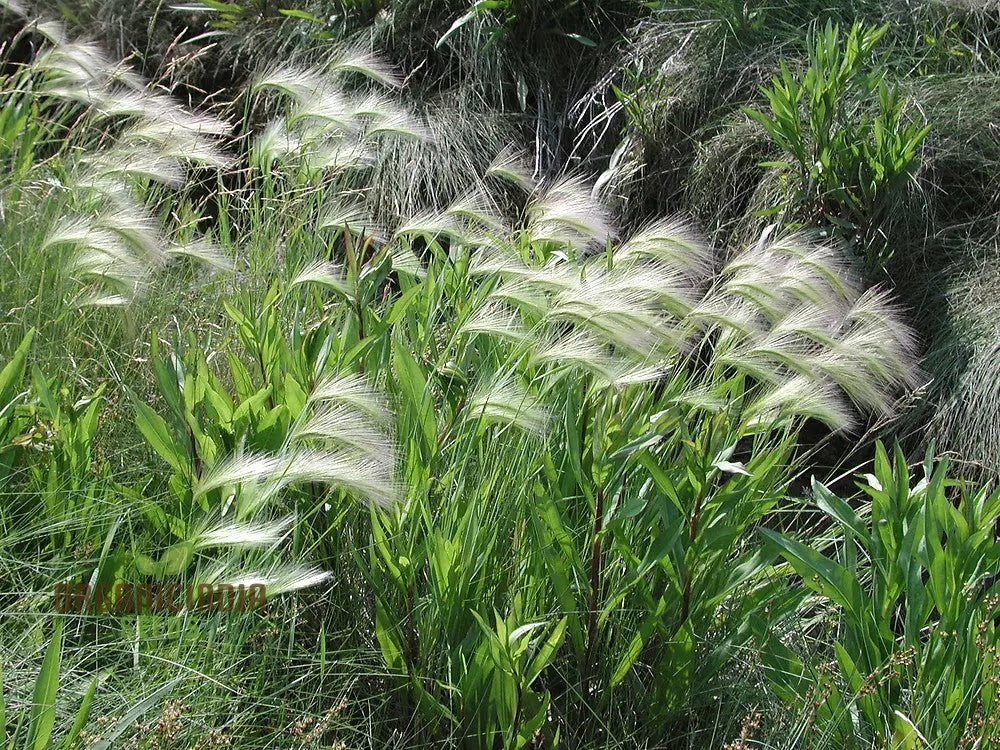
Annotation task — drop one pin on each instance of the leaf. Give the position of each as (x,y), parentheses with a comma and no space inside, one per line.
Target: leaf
(43,701)
(732,467)
(906,736)
(392,653)
(45,396)
(519,632)
(585,41)
(241,378)
(176,559)
(548,650)
(839,510)
(660,479)
(159,436)
(13,371)
(401,305)
(251,406)
(429,704)
(295,395)
(848,669)
(82,715)
(453,29)
(784,670)
(414,386)
(834,580)
(292,13)
(167,381)
(628,658)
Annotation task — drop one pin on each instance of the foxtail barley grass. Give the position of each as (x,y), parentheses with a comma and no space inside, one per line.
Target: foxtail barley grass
(505,456)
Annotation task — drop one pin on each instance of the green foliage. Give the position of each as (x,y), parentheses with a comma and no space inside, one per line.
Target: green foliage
(515,476)
(509,15)
(912,589)
(38,732)
(237,19)
(850,159)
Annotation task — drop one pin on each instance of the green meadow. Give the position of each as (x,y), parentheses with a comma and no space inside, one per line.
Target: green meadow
(554,373)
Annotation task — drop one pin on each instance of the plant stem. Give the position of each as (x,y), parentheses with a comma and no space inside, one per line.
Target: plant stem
(596,559)
(689,573)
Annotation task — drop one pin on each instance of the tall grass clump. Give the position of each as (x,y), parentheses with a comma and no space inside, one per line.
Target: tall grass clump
(588,365)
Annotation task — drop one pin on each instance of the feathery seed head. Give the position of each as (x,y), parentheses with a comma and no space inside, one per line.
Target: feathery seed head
(14,7)
(371,105)
(346,427)
(478,207)
(496,319)
(800,397)
(367,64)
(665,287)
(771,358)
(282,579)
(524,294)
(101,299)
(399,123)
(509,165)
(729,313)
(340,156)
(431,225)
(818,324)
(369,480)
(299,82)
(133,224)
(329,108)
(104,171)
(489,260)
(349,215)
(121,269)
(503,401)
(322,273)
(628,318)
(850,368)
(83,64)
(242,534)
(239,469)
(52,29)
(582,350)
(353,391)
(203,251)
(566,214)
(406,261)
(672,243)
(275,143)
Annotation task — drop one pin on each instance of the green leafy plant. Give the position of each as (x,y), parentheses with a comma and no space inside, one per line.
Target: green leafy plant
(519,469)
(913,589)
(506,17)
(850,150)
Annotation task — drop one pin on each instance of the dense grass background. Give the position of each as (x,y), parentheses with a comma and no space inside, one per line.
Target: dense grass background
(539,356)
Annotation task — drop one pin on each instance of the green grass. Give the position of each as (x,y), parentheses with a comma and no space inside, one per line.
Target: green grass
(517,457)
